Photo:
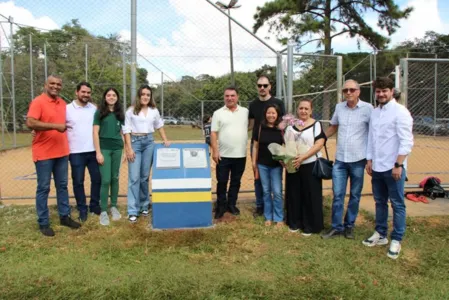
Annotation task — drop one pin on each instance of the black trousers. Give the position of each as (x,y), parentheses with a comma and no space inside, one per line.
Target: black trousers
(304,200)
(235,168)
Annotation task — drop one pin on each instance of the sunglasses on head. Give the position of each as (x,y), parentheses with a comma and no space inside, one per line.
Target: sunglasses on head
(262,85)
(349,90)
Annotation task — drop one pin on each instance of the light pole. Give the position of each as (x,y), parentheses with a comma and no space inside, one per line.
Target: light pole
(232,4)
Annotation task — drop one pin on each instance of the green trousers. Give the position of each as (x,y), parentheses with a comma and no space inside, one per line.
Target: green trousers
(109,177)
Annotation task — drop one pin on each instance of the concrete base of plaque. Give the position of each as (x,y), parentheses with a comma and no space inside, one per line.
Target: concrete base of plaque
(181,187)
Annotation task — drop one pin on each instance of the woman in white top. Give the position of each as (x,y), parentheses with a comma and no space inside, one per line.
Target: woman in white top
(141,120)
(304,200)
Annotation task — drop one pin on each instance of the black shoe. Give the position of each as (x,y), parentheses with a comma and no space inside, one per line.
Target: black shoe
(234,210)
(258,212)
(219,213)
(333,233)
(67,221)
(349,233)
(46,230)
(95,210)
(82,217)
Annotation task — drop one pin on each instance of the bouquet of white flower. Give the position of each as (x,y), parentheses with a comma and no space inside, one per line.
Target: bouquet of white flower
(288,152)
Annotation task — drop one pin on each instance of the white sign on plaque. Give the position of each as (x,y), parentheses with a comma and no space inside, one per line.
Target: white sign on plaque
(168,158)
(194,158)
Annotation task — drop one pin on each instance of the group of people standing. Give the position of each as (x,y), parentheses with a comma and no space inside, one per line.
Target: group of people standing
(376,140)
(92,137)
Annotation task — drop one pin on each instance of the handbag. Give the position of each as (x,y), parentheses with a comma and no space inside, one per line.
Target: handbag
(323,166)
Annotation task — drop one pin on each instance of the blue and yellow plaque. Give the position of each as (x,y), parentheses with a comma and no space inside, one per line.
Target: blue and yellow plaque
(181,187)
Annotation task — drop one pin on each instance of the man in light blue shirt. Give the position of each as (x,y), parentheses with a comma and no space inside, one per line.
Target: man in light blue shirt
(390,141)
(351,120)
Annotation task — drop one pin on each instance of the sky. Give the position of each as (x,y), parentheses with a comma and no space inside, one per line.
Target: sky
(190,37)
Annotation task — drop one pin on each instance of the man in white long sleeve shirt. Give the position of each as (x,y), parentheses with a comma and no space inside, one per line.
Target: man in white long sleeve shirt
(390,141)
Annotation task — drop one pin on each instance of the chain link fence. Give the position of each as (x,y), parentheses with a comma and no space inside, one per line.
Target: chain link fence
(425,84)
(184,57)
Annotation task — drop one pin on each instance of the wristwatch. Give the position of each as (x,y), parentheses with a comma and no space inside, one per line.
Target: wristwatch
(398,165)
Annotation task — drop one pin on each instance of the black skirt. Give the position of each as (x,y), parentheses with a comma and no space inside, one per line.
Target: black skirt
(304,200)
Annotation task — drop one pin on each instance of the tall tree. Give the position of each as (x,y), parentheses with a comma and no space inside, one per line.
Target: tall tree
(329,19)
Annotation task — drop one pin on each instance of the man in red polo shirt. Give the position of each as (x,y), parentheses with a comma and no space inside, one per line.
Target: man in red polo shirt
(50,147)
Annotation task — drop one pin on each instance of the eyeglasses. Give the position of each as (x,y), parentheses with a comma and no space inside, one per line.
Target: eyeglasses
(349,90)
(262,85)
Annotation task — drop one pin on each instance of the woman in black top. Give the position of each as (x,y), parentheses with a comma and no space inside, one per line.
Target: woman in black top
(268,170)
(303,191)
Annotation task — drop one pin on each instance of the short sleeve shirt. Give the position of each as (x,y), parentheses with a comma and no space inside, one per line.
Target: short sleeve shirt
(267,136)
(49,144)
(110,131)
(232,128)
(257,107)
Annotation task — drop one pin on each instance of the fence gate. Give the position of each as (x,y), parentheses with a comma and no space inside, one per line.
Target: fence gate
(425,87)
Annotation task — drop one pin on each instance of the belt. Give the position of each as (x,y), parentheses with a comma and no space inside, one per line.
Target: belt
(140,134)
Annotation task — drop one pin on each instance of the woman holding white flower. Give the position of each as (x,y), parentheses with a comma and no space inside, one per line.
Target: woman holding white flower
(266,168)
(304,192)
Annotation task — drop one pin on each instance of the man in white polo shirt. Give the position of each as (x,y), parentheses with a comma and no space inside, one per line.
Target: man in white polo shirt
(80,115)
(228,140)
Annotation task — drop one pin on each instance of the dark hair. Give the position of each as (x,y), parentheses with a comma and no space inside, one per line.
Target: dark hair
(137,105)
(397,94)
(232,88)
(206,119)
(306,100)
(383,83)
(118,109)
(83,83)
(264,76)
(278,120)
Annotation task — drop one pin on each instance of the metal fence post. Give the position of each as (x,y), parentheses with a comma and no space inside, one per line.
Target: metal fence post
(124,77)
(404,67)
(133,48)
(279,76)
(435,94)
(13,89)
(45,60)
(371,95)
(162,94)
(290,76)
(339,78)
(202,114)
(31,68)
(85,62)
(1,97)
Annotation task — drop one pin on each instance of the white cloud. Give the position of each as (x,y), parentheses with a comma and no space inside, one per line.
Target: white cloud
(200,44)
(22,15)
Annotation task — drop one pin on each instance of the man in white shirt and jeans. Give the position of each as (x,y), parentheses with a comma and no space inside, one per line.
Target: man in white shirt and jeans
(351,121)
(229,136)
(79,116)
(390,141)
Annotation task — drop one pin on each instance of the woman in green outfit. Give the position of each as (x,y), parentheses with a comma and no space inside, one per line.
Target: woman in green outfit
(108,141)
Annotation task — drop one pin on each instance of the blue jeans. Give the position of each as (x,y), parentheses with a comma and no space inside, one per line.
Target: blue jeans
(257,185)
(139,173)
(340,173)
(271,179)
(384,188)
(44,168)
(78,164)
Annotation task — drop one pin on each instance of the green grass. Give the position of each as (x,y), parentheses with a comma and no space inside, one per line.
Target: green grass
(239,259)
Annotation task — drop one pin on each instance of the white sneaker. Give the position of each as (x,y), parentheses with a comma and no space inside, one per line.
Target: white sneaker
(375,240)
(395,248)
(115,214)
(144,213)
(104,218)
